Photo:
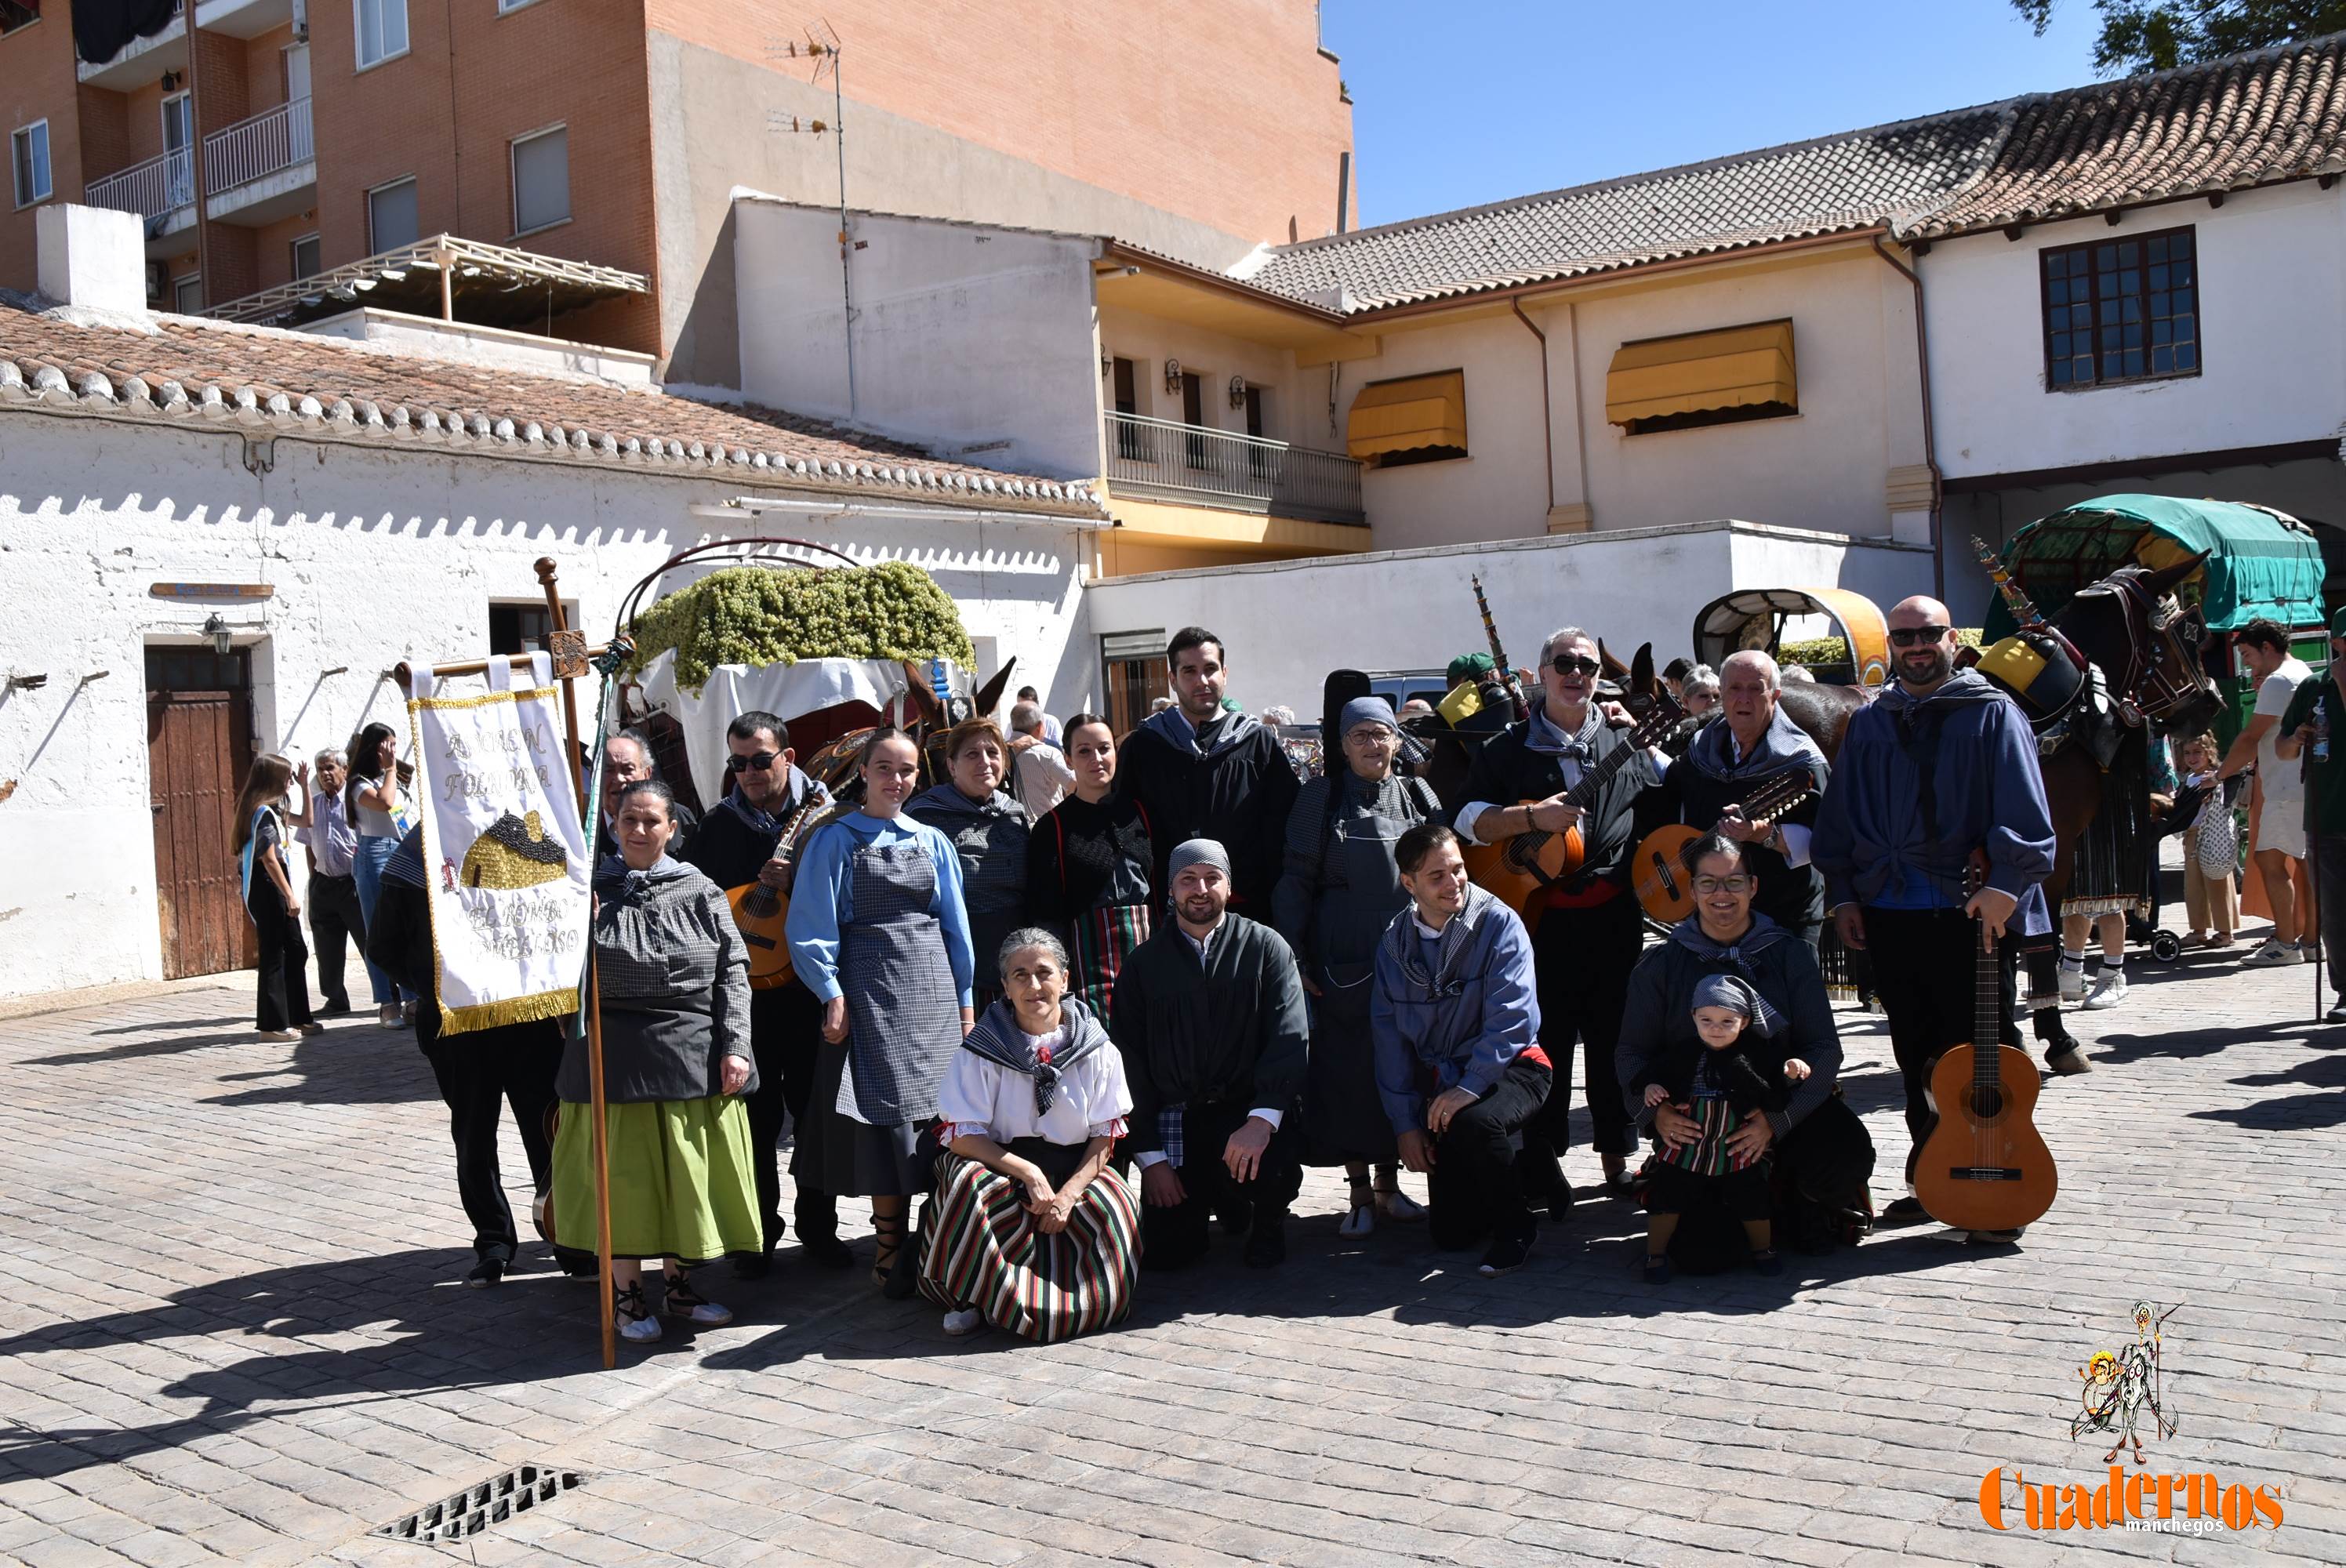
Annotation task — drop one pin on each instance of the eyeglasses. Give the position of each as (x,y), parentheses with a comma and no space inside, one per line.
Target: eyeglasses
(760,761)
(1907,637)
(1573,664)
(1722,884)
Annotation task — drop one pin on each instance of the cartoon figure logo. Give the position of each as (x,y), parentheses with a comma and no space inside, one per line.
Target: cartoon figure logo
(2120,1385)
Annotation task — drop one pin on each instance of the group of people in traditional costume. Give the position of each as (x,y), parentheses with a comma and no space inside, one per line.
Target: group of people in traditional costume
(1199,970)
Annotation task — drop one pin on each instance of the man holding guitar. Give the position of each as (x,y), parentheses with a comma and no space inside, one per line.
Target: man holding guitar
(742,841)
(1729,780)
(1941,765)
(1585,932)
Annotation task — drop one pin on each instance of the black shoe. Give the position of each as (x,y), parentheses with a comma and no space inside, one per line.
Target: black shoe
(1657,1269)
(1237,1219)
(1507,1254)
(1905,1211)
(1267,1248)
(333,1008)
(1995,1238)
(825,1247)
(753,1266)
(485,1273)
(1559,1203)
(1766,1263)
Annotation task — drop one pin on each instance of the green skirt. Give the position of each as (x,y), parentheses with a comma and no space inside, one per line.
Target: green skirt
(682,1181)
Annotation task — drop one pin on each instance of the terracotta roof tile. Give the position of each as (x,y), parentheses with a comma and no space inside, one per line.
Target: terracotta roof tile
(2253,119)
(190,368)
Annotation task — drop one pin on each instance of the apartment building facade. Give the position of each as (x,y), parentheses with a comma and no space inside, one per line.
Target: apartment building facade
(299,137)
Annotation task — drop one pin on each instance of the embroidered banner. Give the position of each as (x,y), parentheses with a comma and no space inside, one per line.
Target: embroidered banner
(504,853)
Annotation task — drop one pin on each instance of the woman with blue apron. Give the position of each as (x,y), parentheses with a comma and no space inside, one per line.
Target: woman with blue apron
(878,932)
(1340,890)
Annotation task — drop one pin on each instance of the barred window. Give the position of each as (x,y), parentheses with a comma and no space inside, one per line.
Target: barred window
(2121,310)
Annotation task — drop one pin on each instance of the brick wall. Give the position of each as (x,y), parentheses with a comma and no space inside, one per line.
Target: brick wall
(1223,111)
(36,82)
(574,62)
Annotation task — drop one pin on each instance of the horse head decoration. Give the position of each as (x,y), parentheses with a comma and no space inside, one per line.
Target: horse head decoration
(2147,643)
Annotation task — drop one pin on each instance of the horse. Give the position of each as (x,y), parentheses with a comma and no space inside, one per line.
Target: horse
(835,764)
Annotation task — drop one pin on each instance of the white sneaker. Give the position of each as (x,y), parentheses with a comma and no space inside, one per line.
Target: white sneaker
(2109,990)
(2073,984)
(280,1036)
(2272,953)
(968,1320)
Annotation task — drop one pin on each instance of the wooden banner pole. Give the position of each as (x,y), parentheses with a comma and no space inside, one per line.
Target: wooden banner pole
(545,571)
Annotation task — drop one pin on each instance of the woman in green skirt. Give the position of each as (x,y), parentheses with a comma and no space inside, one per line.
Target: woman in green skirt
(675,984)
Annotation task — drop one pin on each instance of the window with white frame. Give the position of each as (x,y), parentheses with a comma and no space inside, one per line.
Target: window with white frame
(306,256)
(187,294)
(28,150)
(391,216)
(381,30)
(541,179)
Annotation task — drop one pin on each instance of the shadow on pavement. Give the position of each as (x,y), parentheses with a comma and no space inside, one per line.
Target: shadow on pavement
(441,1336)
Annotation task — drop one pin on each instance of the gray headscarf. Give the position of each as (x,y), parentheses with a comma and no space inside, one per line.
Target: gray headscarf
(1194,851)
(1366,710)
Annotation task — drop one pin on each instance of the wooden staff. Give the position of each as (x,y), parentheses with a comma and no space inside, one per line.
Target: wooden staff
(593,1009)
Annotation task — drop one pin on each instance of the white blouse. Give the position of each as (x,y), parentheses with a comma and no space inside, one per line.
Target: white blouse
(981,1098)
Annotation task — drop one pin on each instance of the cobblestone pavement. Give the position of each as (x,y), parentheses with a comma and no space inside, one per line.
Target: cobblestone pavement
(234,1330)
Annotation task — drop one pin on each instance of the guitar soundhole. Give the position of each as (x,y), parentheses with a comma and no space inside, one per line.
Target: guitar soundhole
(1987,1103)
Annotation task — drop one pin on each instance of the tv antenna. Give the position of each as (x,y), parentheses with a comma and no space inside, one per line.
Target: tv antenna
(819,48)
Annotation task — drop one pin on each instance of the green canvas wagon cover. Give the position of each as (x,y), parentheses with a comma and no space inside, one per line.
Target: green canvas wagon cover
(2259,562)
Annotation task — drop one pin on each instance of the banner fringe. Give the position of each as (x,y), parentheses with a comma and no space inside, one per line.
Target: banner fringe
(512,1010)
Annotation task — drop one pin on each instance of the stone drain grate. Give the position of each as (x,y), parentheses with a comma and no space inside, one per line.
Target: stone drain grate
(481,1507)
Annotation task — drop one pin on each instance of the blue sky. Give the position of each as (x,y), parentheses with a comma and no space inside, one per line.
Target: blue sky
(1479,100)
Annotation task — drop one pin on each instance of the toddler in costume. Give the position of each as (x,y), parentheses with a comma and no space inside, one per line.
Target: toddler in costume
(1715,1081)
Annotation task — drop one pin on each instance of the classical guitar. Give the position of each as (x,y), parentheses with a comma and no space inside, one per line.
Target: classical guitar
(1663,877)
(1519,871)
(1984,1166)
(761,912)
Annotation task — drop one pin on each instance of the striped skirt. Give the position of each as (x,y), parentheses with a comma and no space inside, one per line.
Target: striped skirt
(1099,940)
(980,1249)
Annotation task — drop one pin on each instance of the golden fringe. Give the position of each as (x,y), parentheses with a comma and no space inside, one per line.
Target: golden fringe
(512,1010)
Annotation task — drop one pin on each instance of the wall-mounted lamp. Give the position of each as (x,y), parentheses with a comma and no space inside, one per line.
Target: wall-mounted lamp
(170,81)
(223,639)
(1107,363)
(1172,375)
(1238,392)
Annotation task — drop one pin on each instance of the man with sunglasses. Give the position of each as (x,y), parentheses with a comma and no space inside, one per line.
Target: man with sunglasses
(739,842)
(1587,935)
(1940,767)
(2310,726)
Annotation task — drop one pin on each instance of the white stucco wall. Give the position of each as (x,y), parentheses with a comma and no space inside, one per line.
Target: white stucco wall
(1827,468)
(2272,308)
(1290,622)
(378,554)
(965,335)
(1289,414)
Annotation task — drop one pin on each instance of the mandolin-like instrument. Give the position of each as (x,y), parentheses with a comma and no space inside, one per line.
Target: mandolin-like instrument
(1984,1166)
(761,913)
(1520,870)
(1664,881)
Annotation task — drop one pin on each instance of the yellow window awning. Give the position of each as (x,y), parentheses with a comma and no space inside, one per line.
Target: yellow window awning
(1415,411)
(1737,367)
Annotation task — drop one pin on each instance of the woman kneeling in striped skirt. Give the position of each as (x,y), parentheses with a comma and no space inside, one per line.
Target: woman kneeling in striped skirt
(1031,1231)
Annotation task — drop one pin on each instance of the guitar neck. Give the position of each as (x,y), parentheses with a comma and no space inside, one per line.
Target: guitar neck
(1987,1012)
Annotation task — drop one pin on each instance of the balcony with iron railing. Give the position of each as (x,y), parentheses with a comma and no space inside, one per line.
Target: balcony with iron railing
(271,143)
(158,190)
(1175,461)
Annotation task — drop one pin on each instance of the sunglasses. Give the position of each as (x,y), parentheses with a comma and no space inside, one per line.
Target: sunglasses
(1573,664)
(1907,637)
(760,761)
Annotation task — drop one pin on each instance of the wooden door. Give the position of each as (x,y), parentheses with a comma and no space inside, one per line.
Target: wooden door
(198,750)
(1133,686)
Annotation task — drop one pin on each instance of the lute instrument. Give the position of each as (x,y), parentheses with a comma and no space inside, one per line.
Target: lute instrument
(1664,881)
(761,912)
(1520,870)
(1984,1166)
